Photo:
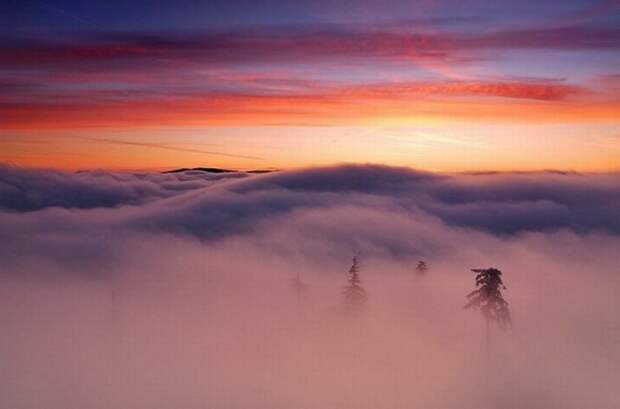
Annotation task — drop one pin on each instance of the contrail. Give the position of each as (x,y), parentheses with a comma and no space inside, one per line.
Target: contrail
(171,147)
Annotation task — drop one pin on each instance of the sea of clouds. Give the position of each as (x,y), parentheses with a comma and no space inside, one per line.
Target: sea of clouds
(181,290)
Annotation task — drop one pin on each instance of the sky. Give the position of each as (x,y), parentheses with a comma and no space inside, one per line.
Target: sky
(436,85)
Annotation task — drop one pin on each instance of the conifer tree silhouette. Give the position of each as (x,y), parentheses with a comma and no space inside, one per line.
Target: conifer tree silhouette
(422,267)
(487,297)
(354,293)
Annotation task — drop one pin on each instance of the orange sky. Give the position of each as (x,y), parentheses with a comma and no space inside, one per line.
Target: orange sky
(433,86)
(446,127)
(426,144)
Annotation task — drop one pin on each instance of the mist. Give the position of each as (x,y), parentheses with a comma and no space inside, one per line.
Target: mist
(125,290)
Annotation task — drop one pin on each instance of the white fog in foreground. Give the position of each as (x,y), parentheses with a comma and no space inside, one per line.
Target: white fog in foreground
(175,297)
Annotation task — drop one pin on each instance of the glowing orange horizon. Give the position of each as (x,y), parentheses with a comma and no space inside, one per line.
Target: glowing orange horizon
(349,106)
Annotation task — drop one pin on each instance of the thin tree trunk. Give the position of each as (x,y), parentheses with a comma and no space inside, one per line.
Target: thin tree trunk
(488,337)
(487,361)
(298,290)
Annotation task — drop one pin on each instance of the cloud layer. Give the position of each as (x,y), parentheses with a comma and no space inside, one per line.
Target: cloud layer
(310,43)
(26,190)
(150,290)
(495,202)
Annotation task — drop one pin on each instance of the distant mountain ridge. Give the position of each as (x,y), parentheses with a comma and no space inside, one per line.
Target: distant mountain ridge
(218,170)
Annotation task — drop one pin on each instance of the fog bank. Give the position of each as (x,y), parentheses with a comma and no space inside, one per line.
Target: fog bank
(125,290)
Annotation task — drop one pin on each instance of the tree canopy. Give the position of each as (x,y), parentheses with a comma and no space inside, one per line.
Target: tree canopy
(488,298)
(354,293)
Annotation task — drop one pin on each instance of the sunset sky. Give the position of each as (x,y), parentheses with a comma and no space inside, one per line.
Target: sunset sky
(438,85)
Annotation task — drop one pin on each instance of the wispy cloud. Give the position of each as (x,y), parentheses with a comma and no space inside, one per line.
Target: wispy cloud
(253,77)
(307,44)
(308,103)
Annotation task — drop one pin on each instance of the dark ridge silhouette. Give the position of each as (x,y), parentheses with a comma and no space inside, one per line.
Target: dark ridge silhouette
(257,171)
(210,170)
(218,170)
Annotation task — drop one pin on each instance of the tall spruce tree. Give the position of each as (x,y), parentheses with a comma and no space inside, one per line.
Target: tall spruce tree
(488,299)
(354,292)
